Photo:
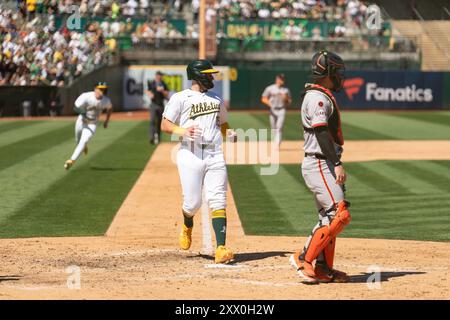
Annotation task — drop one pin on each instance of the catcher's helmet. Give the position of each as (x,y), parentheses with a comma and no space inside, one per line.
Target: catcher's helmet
(326,63)
(198,70)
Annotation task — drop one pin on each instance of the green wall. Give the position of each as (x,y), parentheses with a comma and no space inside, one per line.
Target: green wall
(251,81)
(246,90)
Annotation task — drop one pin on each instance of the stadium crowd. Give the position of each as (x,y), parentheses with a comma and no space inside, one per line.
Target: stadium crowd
(230,9)
(306,9)
(31,54)
(99,8)
(34,51)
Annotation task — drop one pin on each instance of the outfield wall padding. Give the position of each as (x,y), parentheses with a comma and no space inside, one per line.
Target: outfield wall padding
(363,90)
(12,100)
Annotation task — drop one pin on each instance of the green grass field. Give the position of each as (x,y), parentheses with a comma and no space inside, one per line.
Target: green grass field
(390,199)
(407,200)
(39,198)
(362,125)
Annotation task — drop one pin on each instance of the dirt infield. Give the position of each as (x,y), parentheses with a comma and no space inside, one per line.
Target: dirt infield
(139,257)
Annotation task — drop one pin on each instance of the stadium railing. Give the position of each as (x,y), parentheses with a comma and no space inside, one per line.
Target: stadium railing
(255,44)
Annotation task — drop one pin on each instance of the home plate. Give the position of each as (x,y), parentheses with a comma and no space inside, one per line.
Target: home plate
(224,266)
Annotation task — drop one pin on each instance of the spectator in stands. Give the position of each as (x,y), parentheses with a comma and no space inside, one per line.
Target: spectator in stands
(115,10)
(34,55)
(340,30)
(292,31)
(31,8)
(143,7)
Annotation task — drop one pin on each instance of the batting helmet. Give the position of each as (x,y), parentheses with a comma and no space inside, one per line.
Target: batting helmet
(326,63)
(102,86)
(199,70)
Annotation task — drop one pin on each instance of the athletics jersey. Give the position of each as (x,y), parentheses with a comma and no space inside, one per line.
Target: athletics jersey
(319,108)
(92,107)
(205,109)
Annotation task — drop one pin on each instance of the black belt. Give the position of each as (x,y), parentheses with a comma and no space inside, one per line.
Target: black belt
(316,155)
(310,130)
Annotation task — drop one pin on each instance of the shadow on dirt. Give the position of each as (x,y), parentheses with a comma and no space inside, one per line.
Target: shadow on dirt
(250,256)
(10,278)
(253,256)
(383,276)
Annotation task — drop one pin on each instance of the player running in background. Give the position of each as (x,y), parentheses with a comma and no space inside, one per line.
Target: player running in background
(199,118)
(322,170)
(89,105)
(277,97)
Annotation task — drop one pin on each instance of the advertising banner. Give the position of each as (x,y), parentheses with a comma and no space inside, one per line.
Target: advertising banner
(392,90)
(136,78)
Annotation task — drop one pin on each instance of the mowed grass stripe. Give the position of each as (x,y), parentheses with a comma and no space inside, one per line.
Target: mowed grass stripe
(443,165)
(389,170)
(397,127)
(427,118)
(413,208)
(288,202)
(358,125)
(23,149)
(86,199)
(422,171)
(244,120)
(355,132)
(420,222)
(295,171)
(374,179)
(12,125)
(292,129)
(26,132)
(249,194)
(26,179)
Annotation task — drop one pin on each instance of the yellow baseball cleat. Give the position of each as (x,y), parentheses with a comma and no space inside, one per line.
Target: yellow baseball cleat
(185,238)
(85,150)
(69,163)
(223,255)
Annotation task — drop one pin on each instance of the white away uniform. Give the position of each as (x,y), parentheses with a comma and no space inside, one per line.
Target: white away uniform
(276,96)
(201,162)
(86,123)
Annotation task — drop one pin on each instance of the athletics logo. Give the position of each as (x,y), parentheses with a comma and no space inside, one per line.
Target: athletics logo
(352,86)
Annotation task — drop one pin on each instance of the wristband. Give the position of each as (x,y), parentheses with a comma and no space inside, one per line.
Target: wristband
(178,130)
(337,164)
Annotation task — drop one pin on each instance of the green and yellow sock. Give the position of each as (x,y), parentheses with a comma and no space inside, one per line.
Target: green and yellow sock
(188,220)
(219,222)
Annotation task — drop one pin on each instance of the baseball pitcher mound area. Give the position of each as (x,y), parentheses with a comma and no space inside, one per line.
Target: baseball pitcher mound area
(139,258)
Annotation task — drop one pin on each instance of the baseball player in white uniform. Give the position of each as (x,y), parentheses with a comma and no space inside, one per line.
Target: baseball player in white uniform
(277,97)
(322,170)
(89,105)
(199,118)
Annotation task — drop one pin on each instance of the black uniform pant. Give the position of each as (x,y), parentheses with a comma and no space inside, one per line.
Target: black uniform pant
(156,112)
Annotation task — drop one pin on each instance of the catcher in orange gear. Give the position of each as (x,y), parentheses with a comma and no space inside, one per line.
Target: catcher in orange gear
(322,170)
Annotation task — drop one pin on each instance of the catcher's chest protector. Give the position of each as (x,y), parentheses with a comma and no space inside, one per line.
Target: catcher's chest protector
(334,122)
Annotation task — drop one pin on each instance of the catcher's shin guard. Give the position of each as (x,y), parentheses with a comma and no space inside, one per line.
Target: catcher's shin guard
(328,252)
(323,235)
